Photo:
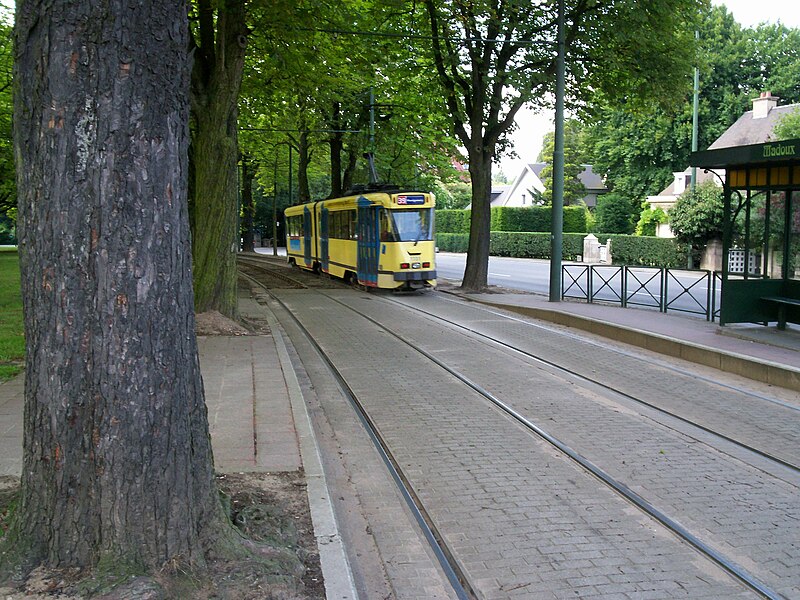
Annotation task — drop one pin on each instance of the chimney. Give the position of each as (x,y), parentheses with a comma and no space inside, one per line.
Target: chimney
(763,104)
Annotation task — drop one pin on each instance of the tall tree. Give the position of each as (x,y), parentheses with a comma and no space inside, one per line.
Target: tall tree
(117,455)
(494,56)
(574,159)
(220,39)
(8,192)
(638,151)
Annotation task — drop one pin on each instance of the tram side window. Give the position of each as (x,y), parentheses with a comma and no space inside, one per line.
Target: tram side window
(342,225)
(294,225)
(353,221)
(335,225)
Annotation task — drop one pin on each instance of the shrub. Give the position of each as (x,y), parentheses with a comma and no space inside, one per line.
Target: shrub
(452,242)
(533,245)
(515,218)
(646,251)
(697,216)
(613,214)
(452,221)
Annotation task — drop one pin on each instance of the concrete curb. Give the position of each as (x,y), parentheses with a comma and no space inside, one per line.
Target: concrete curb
(339,584)
(752,368)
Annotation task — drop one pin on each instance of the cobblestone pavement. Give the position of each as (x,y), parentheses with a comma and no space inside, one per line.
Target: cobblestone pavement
(769,426)
(521,519)
(389,557)
(749,515)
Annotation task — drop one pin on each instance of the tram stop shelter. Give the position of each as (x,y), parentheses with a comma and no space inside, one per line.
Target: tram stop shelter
(761,235)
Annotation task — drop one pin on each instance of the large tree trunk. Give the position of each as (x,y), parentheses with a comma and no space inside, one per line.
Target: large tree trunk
(248,205)
(476,272)
(117,454)
(216,80)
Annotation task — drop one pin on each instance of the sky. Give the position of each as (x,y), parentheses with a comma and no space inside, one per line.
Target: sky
(527,140)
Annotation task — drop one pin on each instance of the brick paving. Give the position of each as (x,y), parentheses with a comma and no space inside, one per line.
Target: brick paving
(520,518)
(523,521)
(749,515)
(768,426)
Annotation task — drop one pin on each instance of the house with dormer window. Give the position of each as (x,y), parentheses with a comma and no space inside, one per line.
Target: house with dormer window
(753,127)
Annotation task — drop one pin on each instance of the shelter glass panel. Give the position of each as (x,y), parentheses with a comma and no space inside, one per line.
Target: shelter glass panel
(794,238)
(777,238)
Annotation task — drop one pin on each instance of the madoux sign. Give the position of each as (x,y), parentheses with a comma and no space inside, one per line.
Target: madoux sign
(777,149)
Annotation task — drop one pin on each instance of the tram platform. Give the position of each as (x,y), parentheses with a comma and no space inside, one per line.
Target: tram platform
(261,411)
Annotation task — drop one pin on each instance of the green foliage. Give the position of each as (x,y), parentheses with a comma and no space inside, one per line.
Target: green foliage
(575,156)
(638,150)
(12,337)
(534,245)
(576,219)
(625,249)
(452,221)
(646,251)
(513,218)
(8,187)
(457,195)
(649,219)
(697,216)
(613,214)
(788,128)
(452,242)
(508,218)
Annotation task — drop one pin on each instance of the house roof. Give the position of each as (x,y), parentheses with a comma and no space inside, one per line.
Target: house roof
(591,180)
(747,130)
(702,177)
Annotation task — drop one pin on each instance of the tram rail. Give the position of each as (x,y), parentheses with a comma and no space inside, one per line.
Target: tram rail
(731,566)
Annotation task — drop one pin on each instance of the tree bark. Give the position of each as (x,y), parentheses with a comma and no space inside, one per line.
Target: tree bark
(477,269)
(248,205)
(216,81)
(117,454)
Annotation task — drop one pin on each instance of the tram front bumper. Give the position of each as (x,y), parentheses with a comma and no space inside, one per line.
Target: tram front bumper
(414,275)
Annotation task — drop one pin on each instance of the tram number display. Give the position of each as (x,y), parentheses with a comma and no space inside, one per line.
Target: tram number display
(407,200)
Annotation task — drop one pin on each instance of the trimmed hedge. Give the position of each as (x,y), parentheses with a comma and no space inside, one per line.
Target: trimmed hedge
(452,242)
(646,251)
(515,243)
(534,245)
(508,218)
(625,249)
(452,221)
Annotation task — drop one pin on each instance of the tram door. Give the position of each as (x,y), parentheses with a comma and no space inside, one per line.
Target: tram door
(323,239)
(368,243)
(307,223)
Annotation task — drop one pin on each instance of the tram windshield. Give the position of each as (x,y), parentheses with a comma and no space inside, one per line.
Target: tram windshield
(407,225)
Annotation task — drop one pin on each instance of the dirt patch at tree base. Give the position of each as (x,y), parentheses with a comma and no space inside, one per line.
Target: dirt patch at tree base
(269,509)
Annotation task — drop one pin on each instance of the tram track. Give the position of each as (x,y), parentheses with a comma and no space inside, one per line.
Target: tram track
(620,488)
(634,398)
(449,565)
(670,523)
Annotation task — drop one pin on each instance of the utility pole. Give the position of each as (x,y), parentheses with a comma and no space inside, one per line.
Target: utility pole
(557,221)
(695,117)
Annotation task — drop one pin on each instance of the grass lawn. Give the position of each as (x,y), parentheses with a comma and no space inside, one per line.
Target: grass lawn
(12,340)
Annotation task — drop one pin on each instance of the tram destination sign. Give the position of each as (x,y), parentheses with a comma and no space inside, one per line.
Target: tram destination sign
(771,152)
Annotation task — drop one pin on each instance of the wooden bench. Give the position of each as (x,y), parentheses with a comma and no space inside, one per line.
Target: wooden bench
(782,304)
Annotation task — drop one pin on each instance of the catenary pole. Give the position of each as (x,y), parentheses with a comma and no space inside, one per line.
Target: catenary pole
(557,221)
(695,117)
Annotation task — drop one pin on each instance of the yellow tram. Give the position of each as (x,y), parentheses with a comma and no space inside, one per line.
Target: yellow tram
(378,239)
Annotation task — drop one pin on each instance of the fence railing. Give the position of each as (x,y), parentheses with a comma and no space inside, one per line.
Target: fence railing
(677,290)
